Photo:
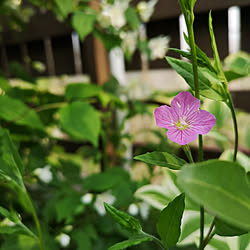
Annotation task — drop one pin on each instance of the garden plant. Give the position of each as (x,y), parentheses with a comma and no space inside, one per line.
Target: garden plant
(62,180)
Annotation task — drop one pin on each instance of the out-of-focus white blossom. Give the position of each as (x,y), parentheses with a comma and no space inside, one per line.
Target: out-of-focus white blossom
(87,198)
(113,14)
(100,199)
(133,209)
(44,174)
(129,41)
(146,9)
(7,222)
(64,240)
(144,210)
(158,47)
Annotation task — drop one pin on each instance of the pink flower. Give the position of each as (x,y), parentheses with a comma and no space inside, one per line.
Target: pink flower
(184,120)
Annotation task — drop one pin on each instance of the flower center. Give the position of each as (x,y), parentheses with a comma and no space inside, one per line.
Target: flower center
(182,124)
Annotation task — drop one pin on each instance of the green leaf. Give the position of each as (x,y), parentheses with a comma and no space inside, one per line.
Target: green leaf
(242,159)
(133,241)
(126,221)
(132,18)
(210,86)
(16,227)
(218,244)
(238,63)
(81,91)
(10,164)
(155,195)
(65,6)
(218,186)
(109,41)
(162,159)
(244,242)
(16,111)
(81,121)
(248,137)
(4,84)
(83,23)
(169,222)
(224,229)
(217,62)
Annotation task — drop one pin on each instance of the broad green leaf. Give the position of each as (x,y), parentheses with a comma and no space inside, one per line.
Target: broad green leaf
(218,244)
(242,159)
(99,182)
(169,222)
(65,6)
(133,241)
(109,41)
(238,63)
(210,86)
(244,242)
(4,84)
(20,242)
(132,18)
(154,195)
(81,91)
(126,221)
(83,23)
(219,185)
(13,110)
(81,121)
(224,229)
(162,159)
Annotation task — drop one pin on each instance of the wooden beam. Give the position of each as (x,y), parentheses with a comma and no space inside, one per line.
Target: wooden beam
(100,54)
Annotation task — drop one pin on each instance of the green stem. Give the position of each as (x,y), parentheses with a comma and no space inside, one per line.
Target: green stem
(36,220)
(236,141)
(202,222)
(210,235)
(188,153)
(157,241)
(50,106)
(189,19)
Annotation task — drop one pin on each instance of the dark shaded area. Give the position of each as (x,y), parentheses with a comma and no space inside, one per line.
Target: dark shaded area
(245,28)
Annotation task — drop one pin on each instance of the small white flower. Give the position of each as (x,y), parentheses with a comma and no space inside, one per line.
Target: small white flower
(113,14)
(133,209)
(87,198)
(158,47)
(100,199)
(44,174)
(146,9)
(64,240)
(129,41)
(144,210)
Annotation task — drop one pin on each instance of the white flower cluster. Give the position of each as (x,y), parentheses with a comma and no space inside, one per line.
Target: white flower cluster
(146,9)
(113,14)
(44,174)
(129,41)
(142,208)
(63,239)
(106,197)
(158,47)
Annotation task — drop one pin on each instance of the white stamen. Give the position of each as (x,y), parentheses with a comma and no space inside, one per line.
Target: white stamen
(178,104)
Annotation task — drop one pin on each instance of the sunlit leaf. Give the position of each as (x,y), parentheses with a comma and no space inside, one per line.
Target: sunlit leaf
(169,222)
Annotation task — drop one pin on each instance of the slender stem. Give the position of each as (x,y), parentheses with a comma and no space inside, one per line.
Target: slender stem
(210,234)
(236,141)
(157,241)
(188,153)
(36,220)
(50,106)
(202,222)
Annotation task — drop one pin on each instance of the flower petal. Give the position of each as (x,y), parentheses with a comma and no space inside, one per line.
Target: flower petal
(185,103)
(165,117)
(201,122)
(181,137)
